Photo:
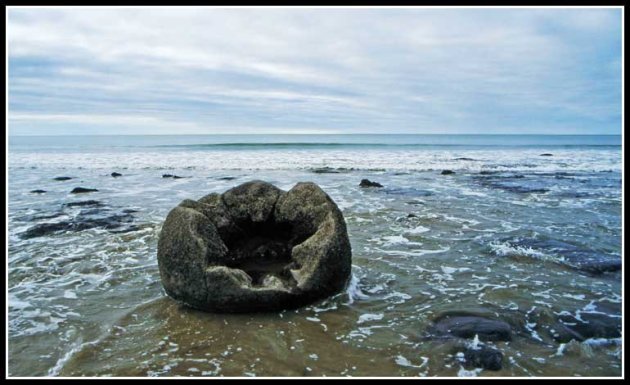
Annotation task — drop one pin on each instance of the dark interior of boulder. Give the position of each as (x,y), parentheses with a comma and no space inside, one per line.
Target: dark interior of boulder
(261,249)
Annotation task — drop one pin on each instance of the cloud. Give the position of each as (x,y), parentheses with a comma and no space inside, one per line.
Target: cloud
(342,70)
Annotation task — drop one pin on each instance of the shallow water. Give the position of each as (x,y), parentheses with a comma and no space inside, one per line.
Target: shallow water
(89,302)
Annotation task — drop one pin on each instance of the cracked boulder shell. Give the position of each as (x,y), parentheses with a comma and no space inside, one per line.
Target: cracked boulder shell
(255,248)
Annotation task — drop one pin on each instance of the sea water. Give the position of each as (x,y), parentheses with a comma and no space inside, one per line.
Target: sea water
(512,235)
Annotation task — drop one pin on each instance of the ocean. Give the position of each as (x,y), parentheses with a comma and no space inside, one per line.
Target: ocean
(525,231)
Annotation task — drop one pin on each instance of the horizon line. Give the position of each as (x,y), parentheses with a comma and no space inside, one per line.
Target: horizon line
(311,134)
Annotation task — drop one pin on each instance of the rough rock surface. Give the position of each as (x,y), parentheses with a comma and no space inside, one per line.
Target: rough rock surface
(255,248)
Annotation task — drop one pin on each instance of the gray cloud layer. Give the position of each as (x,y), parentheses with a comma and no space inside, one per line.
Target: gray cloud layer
(314,70)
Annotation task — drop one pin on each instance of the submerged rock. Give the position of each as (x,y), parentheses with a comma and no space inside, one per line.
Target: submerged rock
(62,178)
(467,326)
(577,257)
(255,248)
(368,183)
(171,176)
(325,170)
(84,203)
(79,223)
(447,172)
(82,190)
(115,174)
(546,154)
(38,191)
(588,325)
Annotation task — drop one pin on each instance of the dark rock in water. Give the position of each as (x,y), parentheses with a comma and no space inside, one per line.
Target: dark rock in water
(77,224)
(487,172)
(45,229)
(447,172)
(411,215)
(49,216)
(546,154)
(515,183)
(580,258)
(368,183)
(410,191)
(82,190)
(129,211)
(83,203)
(468,326)
(325,170)
(177,177)
(255,248)
(61,178)
(38,191)
(589,325)
(167,175)
(115,174)
(483,357)
(464,159)
(227,178)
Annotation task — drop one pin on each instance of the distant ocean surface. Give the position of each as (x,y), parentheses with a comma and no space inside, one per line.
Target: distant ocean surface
(526,230)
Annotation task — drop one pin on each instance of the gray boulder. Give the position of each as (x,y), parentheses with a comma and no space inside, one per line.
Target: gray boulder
(255,248)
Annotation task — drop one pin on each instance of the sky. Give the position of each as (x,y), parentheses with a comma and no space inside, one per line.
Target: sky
(209,70)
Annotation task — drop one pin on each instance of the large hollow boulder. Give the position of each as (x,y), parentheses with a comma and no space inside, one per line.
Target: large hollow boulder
(255,248)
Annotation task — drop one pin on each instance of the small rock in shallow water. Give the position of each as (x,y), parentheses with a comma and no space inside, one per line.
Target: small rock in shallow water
(546,154)
(81,190)
(411,215)
(447,172)
(38,191)
(62,178)
(115,174)
(368,183)
(484,357)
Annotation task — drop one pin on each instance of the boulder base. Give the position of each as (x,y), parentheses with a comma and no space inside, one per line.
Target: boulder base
(255,248)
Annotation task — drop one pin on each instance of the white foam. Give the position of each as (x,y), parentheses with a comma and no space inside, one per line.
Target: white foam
(468,373)
(369,317)
(353,290)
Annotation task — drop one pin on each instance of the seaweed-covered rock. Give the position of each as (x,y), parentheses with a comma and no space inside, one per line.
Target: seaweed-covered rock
(255,248)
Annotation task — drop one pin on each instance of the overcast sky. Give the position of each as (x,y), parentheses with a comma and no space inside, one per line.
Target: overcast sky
(314,70)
